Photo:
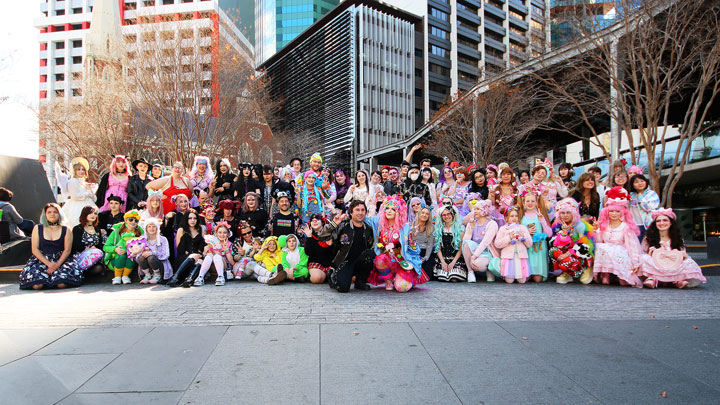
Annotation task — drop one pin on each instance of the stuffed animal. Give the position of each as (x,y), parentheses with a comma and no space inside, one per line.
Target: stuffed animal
(135,246)
(563,243)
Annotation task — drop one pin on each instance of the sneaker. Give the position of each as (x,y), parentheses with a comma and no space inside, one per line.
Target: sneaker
(155,279)
(278,278)
(563,278)
(126,280)
(220,281)
(116,281)
(471,276)
(146,279)
(199,281)
(229,275)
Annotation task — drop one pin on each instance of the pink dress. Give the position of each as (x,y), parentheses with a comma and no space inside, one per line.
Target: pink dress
(117,188)
(617,252)
(653,266)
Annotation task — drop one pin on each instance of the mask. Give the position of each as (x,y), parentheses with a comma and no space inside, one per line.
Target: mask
(414,176)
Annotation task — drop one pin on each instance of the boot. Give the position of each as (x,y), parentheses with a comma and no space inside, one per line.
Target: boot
(563,278)
(587,276)
(180,274)
(189,280)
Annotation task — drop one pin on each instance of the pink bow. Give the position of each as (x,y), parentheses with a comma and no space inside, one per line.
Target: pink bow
(668,212)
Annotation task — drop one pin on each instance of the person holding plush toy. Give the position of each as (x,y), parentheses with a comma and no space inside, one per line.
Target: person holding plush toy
(116,254)
(155,255)
(572,246)
(513,240)
(535,217)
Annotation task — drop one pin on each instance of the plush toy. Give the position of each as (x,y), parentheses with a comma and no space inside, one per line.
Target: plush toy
(135,246)
(563,243)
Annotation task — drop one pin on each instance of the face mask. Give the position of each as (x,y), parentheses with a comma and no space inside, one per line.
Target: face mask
(414,176)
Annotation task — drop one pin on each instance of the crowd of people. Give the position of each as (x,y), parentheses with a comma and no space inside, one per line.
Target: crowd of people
(397,227)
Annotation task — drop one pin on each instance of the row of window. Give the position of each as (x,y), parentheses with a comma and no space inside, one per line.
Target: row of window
(298,22)
(61,61)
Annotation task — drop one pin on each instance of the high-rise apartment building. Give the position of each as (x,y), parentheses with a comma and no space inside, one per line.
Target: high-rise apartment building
(350,80)
(277,22)
(468,40)
(570,18)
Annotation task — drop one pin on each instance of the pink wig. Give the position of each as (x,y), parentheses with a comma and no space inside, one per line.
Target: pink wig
(398,204)
(154,213)
(113,164)
(566,205)
(208,175)
(614,205)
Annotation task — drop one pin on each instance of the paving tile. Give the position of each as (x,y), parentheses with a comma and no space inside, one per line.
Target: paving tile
(276,364)
(371,363)
(124,398)
(47,379)
(95,340)
(612,370)
(485,364)
(166,359)
(16,343)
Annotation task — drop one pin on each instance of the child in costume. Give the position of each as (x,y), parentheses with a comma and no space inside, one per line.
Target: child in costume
(218,252)
(397,262)
(572,247)
(156,254)
(534,216)
(266,261)
(617,249)
(665,259)
(116,255)
(513,240)
(478,248)
(294,260)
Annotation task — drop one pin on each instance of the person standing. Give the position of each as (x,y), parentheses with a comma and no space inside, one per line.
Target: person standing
(137,193)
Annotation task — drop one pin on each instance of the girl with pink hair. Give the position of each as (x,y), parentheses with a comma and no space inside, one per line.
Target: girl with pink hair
(397,262)
(114,183)
(617,251)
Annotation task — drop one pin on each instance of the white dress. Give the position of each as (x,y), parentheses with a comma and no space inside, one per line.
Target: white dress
(79,196)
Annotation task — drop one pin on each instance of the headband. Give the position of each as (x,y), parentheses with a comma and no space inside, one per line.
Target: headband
(668,212)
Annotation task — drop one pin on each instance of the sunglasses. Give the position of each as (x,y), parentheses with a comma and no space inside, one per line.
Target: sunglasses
(132,220)
(246,233)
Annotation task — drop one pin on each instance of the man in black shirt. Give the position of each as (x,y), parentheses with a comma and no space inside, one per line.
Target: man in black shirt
(285,222)
(355,241)
(107,219)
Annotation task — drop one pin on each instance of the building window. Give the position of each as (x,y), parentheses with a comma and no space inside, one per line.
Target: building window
(60,45)
(77,92)
(536,25)
(467,42)
(467,7)
(77,60)
(537,10)
(439,69)
(442,52)
(59,61)
(418,93)
(516,15)
(439,14)
(439,88)
(77,43)
(466,60)
(439,33)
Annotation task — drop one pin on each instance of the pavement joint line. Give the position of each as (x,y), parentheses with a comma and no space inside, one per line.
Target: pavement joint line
(90,378)
(192,380)
(409,324)
(35,351)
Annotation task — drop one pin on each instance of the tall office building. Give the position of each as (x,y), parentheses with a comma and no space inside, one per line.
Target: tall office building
(468,40)
(571,17)
(277,22)
(350,80)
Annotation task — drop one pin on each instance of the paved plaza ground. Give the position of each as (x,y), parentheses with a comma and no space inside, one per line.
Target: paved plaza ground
(296,344)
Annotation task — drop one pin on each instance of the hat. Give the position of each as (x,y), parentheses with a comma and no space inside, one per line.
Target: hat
(316,156)
(282,194)
(132,214)
(617,196)
(82,162)
(138,161)
(115,198)
(150,221)
(414,166)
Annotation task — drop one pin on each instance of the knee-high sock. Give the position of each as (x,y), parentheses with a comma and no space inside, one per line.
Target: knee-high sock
(263,274)
(205,266)
(219,265)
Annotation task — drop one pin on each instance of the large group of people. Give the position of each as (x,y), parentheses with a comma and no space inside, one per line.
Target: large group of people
(397,227)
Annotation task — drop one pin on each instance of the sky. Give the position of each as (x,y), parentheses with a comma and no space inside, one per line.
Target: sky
(19,79)
(20,67)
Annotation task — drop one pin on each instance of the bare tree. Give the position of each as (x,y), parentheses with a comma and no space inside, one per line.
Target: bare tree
(658,66)
(301,145)
(491,127)
(195,90)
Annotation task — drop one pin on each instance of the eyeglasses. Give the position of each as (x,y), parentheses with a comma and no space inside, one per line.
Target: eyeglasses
(246,233)
(132,219)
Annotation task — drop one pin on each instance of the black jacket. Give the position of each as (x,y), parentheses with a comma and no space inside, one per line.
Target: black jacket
(257,219)
(136,190)
(221,179)
(342,236)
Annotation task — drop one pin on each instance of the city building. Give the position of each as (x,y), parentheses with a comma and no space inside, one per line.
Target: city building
(469,40)
(350,81)
(570,18)
(277,22)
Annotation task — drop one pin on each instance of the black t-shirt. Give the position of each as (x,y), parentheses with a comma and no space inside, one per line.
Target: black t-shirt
(106,220)
(358,243)
(284,224)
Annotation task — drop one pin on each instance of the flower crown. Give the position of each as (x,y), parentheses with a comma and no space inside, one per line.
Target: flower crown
(394,202)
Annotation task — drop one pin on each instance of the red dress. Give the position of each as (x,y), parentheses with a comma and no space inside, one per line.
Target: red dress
(167,202)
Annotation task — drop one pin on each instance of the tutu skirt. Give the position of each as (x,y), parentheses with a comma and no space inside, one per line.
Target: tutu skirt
(614,259)
(687,271)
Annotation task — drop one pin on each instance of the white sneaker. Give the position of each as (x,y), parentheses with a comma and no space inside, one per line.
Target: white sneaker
(220,281)
(229,275)
(199,281)
(116,281)
(126,280)
(471,276)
